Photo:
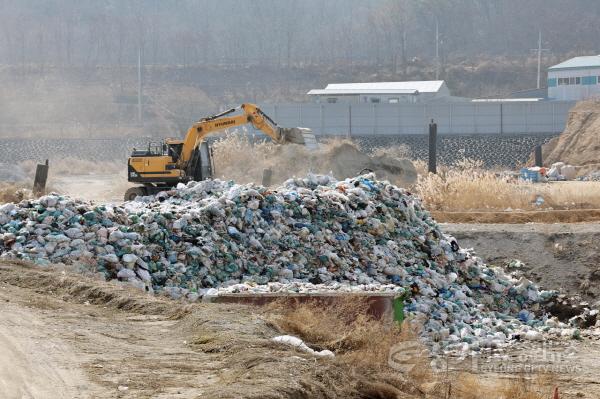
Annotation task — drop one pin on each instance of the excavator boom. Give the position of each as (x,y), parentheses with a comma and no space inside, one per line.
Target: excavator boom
(250,114)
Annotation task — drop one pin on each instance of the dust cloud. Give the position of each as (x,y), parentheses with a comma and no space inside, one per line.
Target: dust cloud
(237,157)
(77,178)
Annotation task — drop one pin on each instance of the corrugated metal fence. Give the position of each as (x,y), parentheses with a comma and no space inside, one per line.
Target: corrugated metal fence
(402,119)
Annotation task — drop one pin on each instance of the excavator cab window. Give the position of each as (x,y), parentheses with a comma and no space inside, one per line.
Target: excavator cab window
(151,151)
(155,149)
(174,151)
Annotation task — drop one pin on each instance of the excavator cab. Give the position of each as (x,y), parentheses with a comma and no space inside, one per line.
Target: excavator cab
(157,168)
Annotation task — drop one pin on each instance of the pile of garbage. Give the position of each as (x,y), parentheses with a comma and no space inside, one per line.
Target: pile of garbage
(559,171)
(311,233)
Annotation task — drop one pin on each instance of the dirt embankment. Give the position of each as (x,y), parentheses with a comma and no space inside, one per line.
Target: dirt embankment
(579,144)
(519,217)
(557,256)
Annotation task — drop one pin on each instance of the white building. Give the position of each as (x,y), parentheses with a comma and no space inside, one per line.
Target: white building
(575,79)
(382,92)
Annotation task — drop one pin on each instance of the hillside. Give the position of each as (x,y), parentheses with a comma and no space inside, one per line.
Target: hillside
(99,102)
(579,144)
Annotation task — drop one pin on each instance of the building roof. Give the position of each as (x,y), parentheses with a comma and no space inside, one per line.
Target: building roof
(349,92)
(506,100)
(592,61)
(428,86)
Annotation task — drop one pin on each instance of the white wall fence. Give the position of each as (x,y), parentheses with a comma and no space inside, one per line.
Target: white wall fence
(402,119)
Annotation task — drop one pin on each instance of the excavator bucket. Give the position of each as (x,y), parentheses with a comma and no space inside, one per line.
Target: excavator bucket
(297,135)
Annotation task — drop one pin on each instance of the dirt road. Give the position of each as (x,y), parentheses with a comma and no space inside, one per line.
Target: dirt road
(34,362)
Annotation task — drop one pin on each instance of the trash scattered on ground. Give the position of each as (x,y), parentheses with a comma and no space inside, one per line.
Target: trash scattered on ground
(300,345)
(531,174)
(561,171)
(592,176)
(216,236)
(558,172)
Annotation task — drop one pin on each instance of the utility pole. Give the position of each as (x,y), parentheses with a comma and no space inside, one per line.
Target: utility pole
(539,59)
(437,49)
(140,120)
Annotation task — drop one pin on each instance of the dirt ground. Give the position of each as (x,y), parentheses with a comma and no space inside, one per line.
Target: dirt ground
(67,336)
(98,187)
(557,256)
(519,217)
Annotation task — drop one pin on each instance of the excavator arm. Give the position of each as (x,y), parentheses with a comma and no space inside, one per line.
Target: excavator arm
(250,114)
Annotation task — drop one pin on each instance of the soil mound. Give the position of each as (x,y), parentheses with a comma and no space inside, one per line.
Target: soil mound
(579,144)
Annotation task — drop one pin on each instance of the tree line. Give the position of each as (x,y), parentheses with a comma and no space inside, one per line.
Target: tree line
(288,33)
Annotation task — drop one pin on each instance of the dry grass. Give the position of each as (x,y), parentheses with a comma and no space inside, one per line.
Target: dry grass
(233,150)
(470,386)
(466,186)
(13,192)
(571,195)
(362,345)
(343,326)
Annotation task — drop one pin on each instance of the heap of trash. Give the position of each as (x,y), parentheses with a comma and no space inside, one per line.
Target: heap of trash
(559,171)
(309,234)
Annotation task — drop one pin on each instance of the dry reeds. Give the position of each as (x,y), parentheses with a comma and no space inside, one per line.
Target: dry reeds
(466,186)
(342,325)
(363,345)
(472,386)
(241,158)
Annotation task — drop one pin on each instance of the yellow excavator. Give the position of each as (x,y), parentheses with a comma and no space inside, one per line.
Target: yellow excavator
(162,165)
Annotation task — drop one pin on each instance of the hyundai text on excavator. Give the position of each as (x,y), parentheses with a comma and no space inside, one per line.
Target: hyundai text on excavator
(162,165)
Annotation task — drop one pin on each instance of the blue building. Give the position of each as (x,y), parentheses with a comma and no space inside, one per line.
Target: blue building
(575,79)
